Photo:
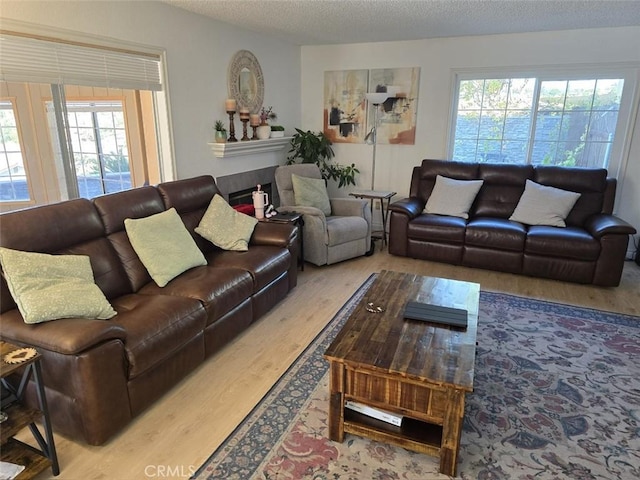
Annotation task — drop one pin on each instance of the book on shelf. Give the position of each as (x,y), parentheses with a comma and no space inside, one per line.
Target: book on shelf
(383,415)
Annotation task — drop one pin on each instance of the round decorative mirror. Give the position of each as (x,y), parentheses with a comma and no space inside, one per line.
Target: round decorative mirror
(246,83)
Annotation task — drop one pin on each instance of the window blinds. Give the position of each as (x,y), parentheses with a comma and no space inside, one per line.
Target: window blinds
(27,59)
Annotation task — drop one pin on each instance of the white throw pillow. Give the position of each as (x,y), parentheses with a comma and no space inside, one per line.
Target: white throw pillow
(48,287)
(452,197)
(542,205)
(164,245)
(225,227)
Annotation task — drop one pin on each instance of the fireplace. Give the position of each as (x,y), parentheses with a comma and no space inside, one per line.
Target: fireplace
(237,188)
(246,195)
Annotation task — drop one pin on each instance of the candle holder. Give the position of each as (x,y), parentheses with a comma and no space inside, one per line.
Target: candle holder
(255,129)
(244,121)
(232,130)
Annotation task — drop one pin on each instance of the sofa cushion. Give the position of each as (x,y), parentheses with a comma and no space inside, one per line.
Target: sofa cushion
(543,205)
(219,289)
(264,263)
(422,185)
(311,192)
(569,242)
(191,198)
(113,209)
(156,326)
(345,229)
(225,227)
(452,197)
(502,189)
(437,228)
(590,183)
(49,287)
(495,233)
(164,245)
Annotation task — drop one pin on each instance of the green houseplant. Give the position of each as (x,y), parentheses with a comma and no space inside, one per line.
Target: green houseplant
(221,132)
(315,147)
(277,131)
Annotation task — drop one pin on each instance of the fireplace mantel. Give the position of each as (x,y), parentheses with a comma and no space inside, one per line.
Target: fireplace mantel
(251,147)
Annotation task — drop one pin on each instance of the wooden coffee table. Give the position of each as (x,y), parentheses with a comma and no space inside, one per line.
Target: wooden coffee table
(416,369)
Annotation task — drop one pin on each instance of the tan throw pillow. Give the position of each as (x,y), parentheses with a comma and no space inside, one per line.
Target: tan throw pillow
(543,205)
(164,245)
(225,227)
(48,287)
(452,197)
(311,192)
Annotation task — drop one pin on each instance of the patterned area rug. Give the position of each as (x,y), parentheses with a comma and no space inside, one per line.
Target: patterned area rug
(557,396)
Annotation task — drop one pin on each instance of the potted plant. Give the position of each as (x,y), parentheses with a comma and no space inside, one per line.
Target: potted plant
(277,131)
(311,147)
(264,130)
(220,132)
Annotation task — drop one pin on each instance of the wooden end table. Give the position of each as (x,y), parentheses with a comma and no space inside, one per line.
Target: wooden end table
(20,416)
(381,196)
(418,370)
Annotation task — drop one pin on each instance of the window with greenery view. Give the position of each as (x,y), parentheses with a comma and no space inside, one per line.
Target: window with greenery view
(99,141)
(537,121)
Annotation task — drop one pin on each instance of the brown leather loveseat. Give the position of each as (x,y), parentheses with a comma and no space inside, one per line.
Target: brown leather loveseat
(591,248)
(100,374)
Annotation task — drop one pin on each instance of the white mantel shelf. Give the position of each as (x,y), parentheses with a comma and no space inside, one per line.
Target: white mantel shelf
(250,147)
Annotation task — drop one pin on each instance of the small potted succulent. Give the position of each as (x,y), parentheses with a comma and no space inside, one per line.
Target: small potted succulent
(277,131)
(220,132)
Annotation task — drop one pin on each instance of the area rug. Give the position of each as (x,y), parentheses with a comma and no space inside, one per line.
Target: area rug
(556,395)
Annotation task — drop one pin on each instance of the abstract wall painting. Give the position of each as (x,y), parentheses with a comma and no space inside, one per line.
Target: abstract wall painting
(398,114)
(345,106)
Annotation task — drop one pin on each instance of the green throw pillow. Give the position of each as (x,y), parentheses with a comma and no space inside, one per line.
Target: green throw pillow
(226,228)
(311,192)
(48,287)
(164,245)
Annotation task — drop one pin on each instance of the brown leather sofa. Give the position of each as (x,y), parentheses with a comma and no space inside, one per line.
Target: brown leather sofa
(100,374)
(591,249)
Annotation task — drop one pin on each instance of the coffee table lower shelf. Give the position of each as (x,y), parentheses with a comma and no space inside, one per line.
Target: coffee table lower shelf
(413,434)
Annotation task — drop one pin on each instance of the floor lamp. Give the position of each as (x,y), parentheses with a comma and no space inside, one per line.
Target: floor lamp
(376,99)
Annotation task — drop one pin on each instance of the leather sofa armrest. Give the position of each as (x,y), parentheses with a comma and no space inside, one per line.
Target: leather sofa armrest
(602,224)
(274,234)
(68,336)
(411,207)
(348,207)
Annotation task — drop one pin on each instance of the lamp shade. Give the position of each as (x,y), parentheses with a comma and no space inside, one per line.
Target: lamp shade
(377,98)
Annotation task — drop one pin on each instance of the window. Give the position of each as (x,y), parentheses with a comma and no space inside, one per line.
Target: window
(13,178)
(99,141)
(79,119)
(568,122)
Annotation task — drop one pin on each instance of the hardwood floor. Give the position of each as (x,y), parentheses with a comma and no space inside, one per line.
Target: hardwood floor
(179,432)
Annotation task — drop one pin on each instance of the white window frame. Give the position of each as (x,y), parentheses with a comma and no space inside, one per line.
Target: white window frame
(630,72)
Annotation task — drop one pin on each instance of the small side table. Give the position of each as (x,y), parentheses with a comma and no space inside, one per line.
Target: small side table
(295,218)
(20,416)
(374,195)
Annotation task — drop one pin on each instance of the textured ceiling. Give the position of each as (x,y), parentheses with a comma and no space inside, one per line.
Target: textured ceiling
(322,22)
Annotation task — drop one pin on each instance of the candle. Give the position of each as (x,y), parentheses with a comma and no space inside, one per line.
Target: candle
(230,104)
(254,120)
(244,112)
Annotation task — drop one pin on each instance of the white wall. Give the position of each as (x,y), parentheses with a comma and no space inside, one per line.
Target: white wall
(198,51)
(438,58)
